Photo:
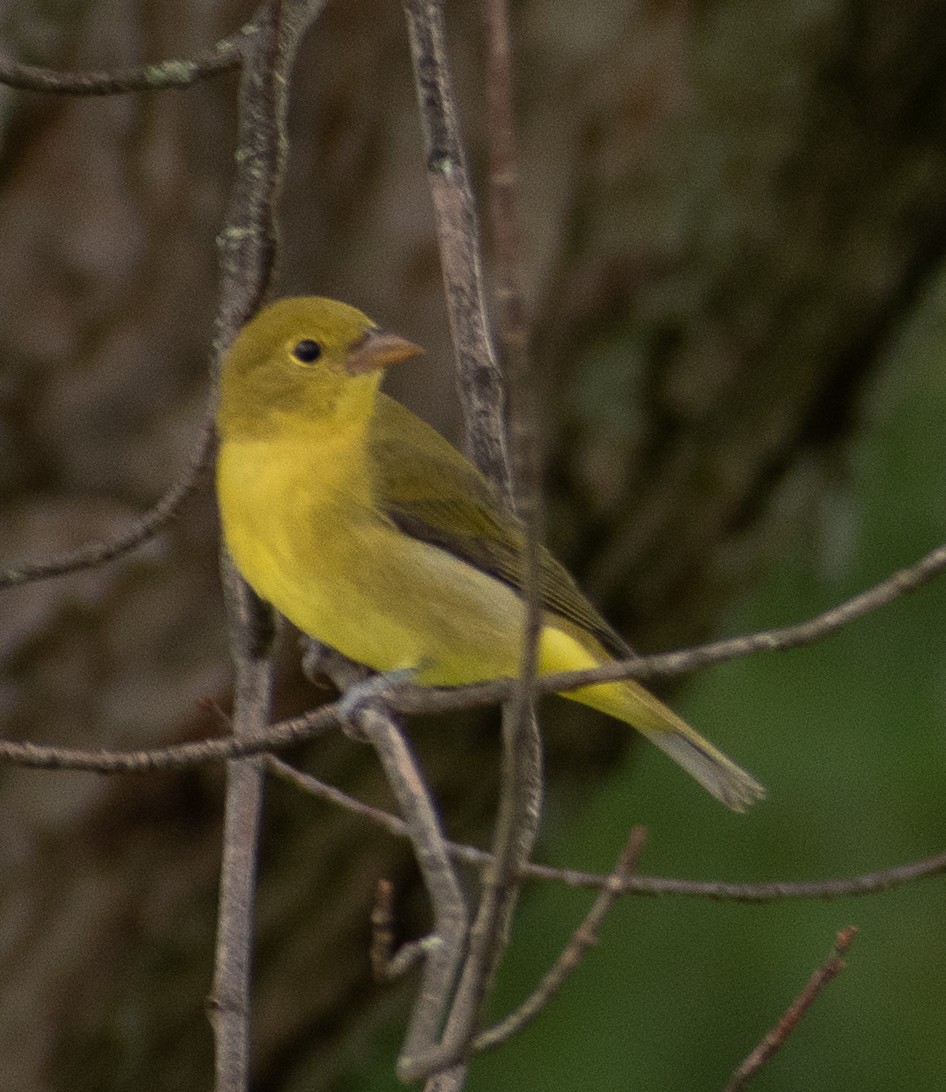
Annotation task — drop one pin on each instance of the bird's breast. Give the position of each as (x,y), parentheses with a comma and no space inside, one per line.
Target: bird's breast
(306,533)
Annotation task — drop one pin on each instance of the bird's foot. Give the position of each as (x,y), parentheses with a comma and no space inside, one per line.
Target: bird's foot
(368,692)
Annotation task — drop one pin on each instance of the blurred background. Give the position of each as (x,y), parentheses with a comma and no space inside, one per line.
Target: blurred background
(734,239)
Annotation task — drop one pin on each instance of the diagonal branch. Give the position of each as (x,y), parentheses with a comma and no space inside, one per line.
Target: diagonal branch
(521,797)
(584,937)
(444,949)
(482,387)
(775,1039)
(867,883)
(141,531)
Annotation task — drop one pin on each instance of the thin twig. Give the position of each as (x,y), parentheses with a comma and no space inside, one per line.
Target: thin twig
(176,756)
(867,883)
(443,950)
(481,384)
(683,661)
(224,56)
(584,937)
(142,530)
(251,632)
(382,930)
(776,639)
(773,1040)
(521,797)
(312,785)
(414,699)
(482,391)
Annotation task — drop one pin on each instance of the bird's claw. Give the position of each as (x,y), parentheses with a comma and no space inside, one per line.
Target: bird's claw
(369,691)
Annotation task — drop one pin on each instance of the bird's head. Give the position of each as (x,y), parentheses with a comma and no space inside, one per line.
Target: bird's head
(304,359)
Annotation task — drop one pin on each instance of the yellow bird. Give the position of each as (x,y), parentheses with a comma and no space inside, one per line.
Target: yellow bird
(372,534)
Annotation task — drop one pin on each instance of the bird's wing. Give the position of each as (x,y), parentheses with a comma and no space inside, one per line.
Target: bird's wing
(432,493)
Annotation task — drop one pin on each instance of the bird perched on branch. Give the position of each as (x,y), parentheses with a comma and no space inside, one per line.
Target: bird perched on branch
(372,534)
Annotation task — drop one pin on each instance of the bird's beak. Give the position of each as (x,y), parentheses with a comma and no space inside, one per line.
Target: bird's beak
(376,349)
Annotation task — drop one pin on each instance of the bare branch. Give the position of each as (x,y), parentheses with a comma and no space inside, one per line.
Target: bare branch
(446,946)
(775,1039)
(482,392)
(179,756)
(145,528)
(522,765)
(312,785)
(482,389)
(868,883)
(413,699)
(247,248)
(584,937)
(382,931)
(443,950)
(670,664)
(159,76)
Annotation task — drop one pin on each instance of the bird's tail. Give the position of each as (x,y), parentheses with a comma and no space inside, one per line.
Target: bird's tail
(564,648)
(641,710)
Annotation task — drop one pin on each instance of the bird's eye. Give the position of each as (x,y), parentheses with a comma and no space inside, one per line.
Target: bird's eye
(307,351)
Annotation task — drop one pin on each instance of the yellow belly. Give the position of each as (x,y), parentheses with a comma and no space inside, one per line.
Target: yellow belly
(343,574)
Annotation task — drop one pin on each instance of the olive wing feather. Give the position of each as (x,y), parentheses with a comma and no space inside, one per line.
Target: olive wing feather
(430,492)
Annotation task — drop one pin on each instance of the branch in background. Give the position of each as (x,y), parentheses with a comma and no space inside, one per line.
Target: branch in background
(159,76)
(775,1039)
(670,664)
(481,384)
(411,699)
(415,699)
(140,532)
(177,756)
(225,55)
(522,785)
(445,948)
(301,729)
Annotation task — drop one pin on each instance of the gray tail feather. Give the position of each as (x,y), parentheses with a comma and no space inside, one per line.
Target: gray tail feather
(718,774)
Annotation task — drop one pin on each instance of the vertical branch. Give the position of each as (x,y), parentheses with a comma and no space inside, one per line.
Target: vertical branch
(523,745)
(482,388)
(251,632)
(248,246)
(482,391)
